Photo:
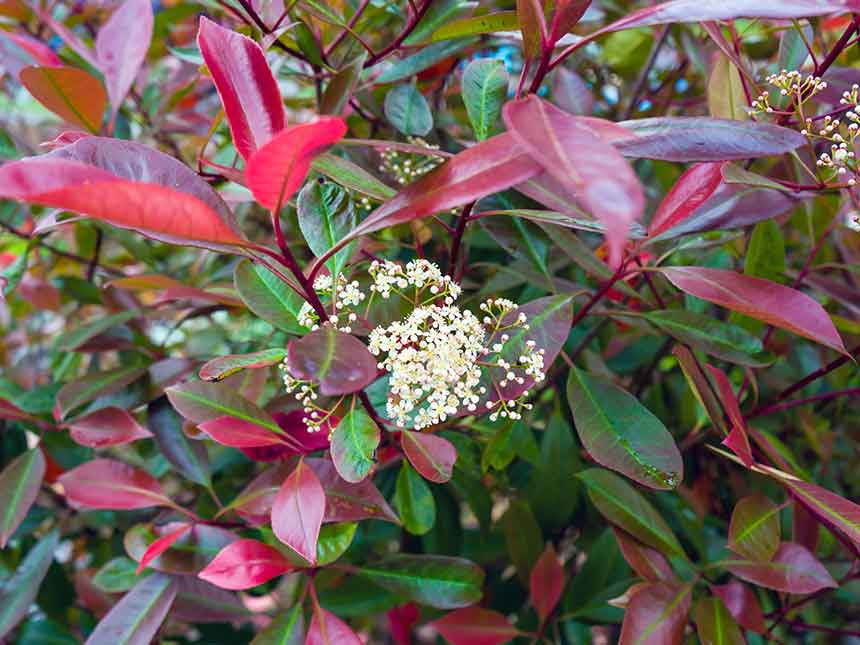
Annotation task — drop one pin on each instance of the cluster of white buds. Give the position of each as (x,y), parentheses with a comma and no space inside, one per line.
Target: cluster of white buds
(366,204)
(420,275)
(343,294)
(306,394)
(852,220)
(406,167)
(789,83)
(841,157)
(439,354)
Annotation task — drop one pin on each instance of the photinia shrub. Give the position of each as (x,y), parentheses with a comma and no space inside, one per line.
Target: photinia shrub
(429,321)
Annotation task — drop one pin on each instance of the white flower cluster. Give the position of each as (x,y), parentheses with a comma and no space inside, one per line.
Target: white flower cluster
(419,274)
(344,296)
(788,83)
(305,393)
(432,356)
(407,167)
(438,354)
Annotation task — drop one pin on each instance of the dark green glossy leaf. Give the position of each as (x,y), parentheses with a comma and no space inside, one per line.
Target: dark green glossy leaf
(288,628)
(408,111)
(352,176)
(117,575)
(334,540)
(485,88)
(414,501)
(268,296)
(426,57)
(437,581)
(523,538)
(326,215)
(622,434)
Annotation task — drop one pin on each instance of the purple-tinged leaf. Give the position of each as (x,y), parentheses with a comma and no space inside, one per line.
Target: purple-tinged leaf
(688,139)
(200,401)
(298,510)
(348,502)
(589,169)
(433,457)
(246,85)
(110,426)
(827,507)
(136,618)
(565,16)
(328,629)
(339,362)
(198,601)
(121,46)
(546,582)
(278,169)
(690,191)
(19,485)
(571,93)
(656,615)
(742,604)
(767,301)
(532,25)
(113,485)
(245,564)
(622,434)
(793,569)
(649,563)
(475,626)
(715,624)
(754,531)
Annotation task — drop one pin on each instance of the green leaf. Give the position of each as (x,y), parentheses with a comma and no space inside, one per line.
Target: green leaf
(220,368)
(709,335)
(485,88)
(625,507)
(523,538)
(19,591)
(438,581)
(45,632)
(726,98)
(341,86)
(603,576)
(714,623)
(622,434)
(441,12)
(117,575)
(326,215)
(353,445)
(199,401)
(472,26)
(287,629)
(553,491)
(754,530)
(765,256)
(426,57)
(353,176)
(70,341)
(408,111)
(11,276)
(268,296)
(334,540)
(414,501)
(19,485)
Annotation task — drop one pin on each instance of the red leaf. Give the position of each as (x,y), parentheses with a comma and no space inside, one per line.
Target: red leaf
(742,604)
(276,171)
(298,512)
(161,545)
(591,170)
(72,94)
(737,440)
(401,620)
(248,89)
(106,427)
(108,484)
(328,629)
(293,423)
(486,168)
(645,561)
(339,362)
(690,191)
(346,502)
(39,53)
(128,185)
(761,299)
(475,626)
(656,615)
(827,507)
(238,433)
(121,47)
(793,569)
(567,14)
(245,564)
(546,583)
(433,457)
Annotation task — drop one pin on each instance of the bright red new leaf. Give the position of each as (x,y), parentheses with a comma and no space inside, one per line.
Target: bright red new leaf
(328,629)
(161,545)
(245,564)
(106,427)
(691,190)
(546,582)
(298,512)
(764,300)
(109,484)
(591,170)
(276,171)
(246,85)
(433,457)
(238,433)
(475,626)
(737,440)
